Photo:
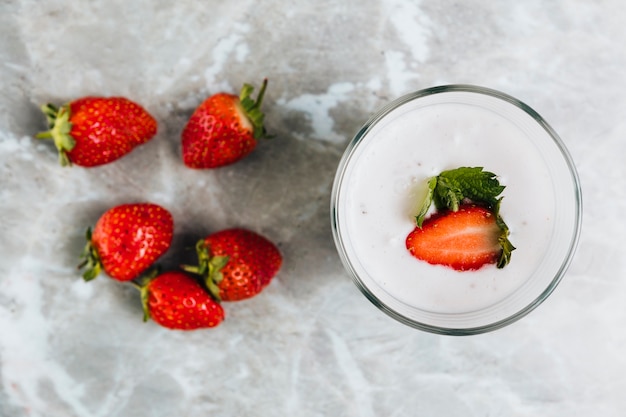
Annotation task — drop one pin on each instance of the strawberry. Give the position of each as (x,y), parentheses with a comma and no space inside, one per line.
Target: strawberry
(176,301)
(465,239)
(126,240)
(467,231)
(236,263)
(223,129)
(93,131)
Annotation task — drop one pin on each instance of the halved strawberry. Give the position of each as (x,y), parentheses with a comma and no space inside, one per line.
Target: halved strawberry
(465,239)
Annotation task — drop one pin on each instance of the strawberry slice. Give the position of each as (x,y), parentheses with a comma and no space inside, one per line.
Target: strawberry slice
(466,239)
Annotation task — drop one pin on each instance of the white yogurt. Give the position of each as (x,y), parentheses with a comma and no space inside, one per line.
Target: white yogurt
(384,182)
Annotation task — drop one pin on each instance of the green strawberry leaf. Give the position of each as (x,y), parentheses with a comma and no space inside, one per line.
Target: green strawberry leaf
(90,260)
(432,184)
(467,183)
(209,268)
(451,188)
(503,239)
(252,108)
(142,283)
(60,127)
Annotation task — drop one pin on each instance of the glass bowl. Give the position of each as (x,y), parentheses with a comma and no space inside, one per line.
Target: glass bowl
(381,179)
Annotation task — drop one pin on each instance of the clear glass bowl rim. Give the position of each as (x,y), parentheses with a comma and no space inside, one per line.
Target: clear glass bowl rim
(375,118)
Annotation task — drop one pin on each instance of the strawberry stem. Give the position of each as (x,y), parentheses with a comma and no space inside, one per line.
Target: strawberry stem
(259,97)
(59,128)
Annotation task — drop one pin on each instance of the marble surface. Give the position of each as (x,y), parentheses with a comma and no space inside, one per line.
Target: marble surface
(311,344)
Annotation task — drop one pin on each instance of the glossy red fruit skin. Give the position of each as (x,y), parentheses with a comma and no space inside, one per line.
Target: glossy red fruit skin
(177,301)
(105,129)
(463,240)
(217,134)
(129,238)
(253,262)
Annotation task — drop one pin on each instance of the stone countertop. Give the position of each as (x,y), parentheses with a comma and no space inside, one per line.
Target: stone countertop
(310,344)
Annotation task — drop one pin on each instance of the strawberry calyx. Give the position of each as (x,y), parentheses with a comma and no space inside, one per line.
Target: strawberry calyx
(90,259)
(142,283)
(59,128)
(252,108)
(209,268)
(503,238)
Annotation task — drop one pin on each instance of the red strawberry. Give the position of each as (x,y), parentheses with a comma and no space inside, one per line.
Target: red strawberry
(465,239)
(127,240)
(236,263)
(223,129)
(94,131)
(176,301)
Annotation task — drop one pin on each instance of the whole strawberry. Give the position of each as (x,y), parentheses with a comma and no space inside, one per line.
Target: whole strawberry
(223,129)
(127,240)
(236,263)
(93,131)
(176,301)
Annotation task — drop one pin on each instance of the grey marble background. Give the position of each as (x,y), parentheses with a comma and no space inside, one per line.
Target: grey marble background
(311,344)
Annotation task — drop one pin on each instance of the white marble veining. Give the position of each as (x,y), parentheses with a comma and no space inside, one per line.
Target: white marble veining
(311,344)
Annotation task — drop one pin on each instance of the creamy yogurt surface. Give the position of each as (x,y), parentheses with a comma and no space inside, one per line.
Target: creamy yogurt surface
(385,181)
